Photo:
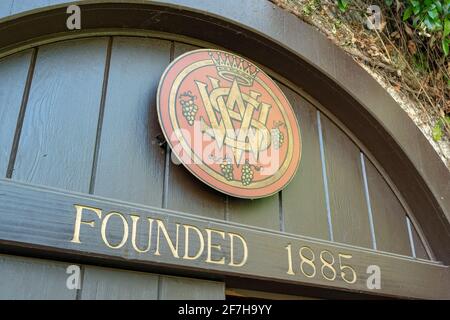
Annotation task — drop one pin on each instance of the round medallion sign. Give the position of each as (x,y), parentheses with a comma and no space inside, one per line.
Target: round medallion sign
(229,123)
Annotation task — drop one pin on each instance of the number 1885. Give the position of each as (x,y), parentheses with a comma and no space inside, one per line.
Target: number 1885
(327,265)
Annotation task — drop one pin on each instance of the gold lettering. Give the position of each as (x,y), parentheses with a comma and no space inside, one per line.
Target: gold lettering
(79,221)
(186,242)
(125,230)
(174,249)
(135,220)
(215,246)
(244,247)
(289,250)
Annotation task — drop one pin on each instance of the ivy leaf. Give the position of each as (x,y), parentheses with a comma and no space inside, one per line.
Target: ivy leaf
(447,27)
(407,14)
(342,5)
(433,14)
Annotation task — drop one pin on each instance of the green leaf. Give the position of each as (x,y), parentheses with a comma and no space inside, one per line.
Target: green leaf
(407,14)
(388,2)
(433,14)
(437,132)
(445,46)
(342,5)
(446,27)
(429,23)
(447,120)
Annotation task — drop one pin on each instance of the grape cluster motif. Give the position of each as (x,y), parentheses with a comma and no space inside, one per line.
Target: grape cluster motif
(277,135)
(246,174)
(188,106)
(226,167)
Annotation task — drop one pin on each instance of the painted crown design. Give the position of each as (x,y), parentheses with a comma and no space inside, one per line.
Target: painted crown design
(231,67)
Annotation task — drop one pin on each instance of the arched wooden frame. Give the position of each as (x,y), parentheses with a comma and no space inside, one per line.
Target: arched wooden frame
(280,42)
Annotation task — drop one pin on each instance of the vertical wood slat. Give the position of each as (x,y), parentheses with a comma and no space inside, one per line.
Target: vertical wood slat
(114,284)
(30,278)
(26,5)
(5,8)
(176,288)
(130,163)
(14,72)
(349,211)
(391,231)
(33,279)
(185,192)
(419,247)
(304,206)
(260,212)
(57,141)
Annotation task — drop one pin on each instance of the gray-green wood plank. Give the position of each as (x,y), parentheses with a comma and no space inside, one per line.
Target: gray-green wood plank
(419,247)
(5,8)
(115,284)
(303,200)
(13,77)
(349,213)
(33,279)
(131,164)
(176,288)
(26,5)
(57,141)
(391,232)
(263,212)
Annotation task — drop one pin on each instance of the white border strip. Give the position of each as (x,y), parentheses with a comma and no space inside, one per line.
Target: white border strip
(324,176)
(369,204)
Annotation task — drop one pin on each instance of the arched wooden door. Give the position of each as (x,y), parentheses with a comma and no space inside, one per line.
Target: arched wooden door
(79,133)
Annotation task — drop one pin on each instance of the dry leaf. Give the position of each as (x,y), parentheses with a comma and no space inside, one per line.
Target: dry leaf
(408,30)
(412,47)
(399,5)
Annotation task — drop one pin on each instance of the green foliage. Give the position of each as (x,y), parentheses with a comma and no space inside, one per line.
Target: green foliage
(429,17)
(343,5)
(438,129)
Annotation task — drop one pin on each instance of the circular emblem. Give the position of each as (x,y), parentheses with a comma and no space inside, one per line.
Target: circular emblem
(228,123)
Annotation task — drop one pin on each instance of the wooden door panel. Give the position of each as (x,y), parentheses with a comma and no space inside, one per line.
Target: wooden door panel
(33,279)
(58,137)
(131,164)
(13,77)
(349,213)
(177,288)
(5,8)
(25,5)
(389,217)
(419,248)
(115,284)
(303,200)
